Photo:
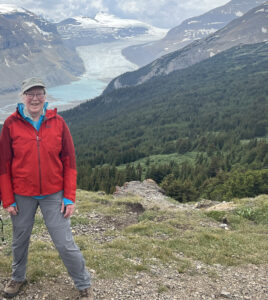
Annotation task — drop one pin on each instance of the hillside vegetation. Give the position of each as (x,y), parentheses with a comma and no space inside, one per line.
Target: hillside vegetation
(207,124)
(122,240)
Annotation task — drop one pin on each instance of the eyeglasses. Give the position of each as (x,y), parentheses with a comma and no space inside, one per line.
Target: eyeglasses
(32,95)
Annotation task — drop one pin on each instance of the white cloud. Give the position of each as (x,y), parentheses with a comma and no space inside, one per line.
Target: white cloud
(130,6)
(98,4)
(162,13)
(141,6)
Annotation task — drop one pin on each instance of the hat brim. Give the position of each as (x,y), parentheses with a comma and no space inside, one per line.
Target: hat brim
(25,89)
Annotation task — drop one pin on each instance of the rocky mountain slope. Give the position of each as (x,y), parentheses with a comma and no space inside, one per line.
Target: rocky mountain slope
(248,29)
(31,46)
(191,29)
(103,28)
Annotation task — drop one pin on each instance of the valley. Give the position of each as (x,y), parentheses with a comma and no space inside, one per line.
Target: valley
(172,158)
(102,61)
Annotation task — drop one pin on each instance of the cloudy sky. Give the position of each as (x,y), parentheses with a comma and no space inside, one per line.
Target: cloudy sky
(162,13)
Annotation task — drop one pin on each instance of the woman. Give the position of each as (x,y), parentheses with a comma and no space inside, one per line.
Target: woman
(37,168)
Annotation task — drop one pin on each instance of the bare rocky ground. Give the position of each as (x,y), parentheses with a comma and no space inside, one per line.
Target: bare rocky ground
(159,283)
(207,283)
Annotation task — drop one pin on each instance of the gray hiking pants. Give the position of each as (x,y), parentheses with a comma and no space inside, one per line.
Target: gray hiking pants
(59,230)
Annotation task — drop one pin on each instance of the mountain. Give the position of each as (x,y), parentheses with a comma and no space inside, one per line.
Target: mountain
(191,29)
(81,31)
(249,29)
(31,46)
(226,93)
(212,114)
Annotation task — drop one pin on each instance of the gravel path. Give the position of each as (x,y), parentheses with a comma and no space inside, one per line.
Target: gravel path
(216,282)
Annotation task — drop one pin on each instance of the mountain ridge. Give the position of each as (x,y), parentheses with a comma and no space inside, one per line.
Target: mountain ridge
(31,45)
(191,29)
(249,29)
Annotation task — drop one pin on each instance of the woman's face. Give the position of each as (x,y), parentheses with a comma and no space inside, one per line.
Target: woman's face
(34,100)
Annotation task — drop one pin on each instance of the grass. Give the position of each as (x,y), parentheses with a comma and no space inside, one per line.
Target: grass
(157,238)
(162,289)
(161,159)
(167,158)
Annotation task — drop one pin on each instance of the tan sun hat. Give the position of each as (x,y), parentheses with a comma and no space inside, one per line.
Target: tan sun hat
(30,83)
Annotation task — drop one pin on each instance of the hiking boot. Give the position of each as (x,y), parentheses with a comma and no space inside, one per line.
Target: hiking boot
(86,294)
(12,288)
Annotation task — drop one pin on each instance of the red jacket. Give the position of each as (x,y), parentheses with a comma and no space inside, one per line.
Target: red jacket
(34,163)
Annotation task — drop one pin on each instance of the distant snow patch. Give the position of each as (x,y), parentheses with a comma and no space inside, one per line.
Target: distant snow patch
(10,8)
(7,64)
(206,31)
(260,10)
(185,40)
(85,22)
(103,21)
(211,54)
(31,24)
(215,23)
(197,33)
(239,14)
(264,30)
(191,22)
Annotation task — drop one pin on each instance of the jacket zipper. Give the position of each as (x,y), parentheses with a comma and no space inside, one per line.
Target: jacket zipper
(39,162)
(38,153)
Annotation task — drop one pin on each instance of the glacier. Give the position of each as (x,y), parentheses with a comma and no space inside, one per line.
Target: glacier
(103,62)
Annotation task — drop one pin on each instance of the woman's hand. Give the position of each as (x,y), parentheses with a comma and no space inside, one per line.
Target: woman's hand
(13,210)
(68,210)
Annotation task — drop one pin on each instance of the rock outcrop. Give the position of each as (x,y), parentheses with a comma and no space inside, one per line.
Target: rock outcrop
(151,193)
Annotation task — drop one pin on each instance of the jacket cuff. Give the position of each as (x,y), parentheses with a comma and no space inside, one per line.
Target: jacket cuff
(67,201)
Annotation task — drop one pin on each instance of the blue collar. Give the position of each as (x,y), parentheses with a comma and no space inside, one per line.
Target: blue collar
(26,116)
